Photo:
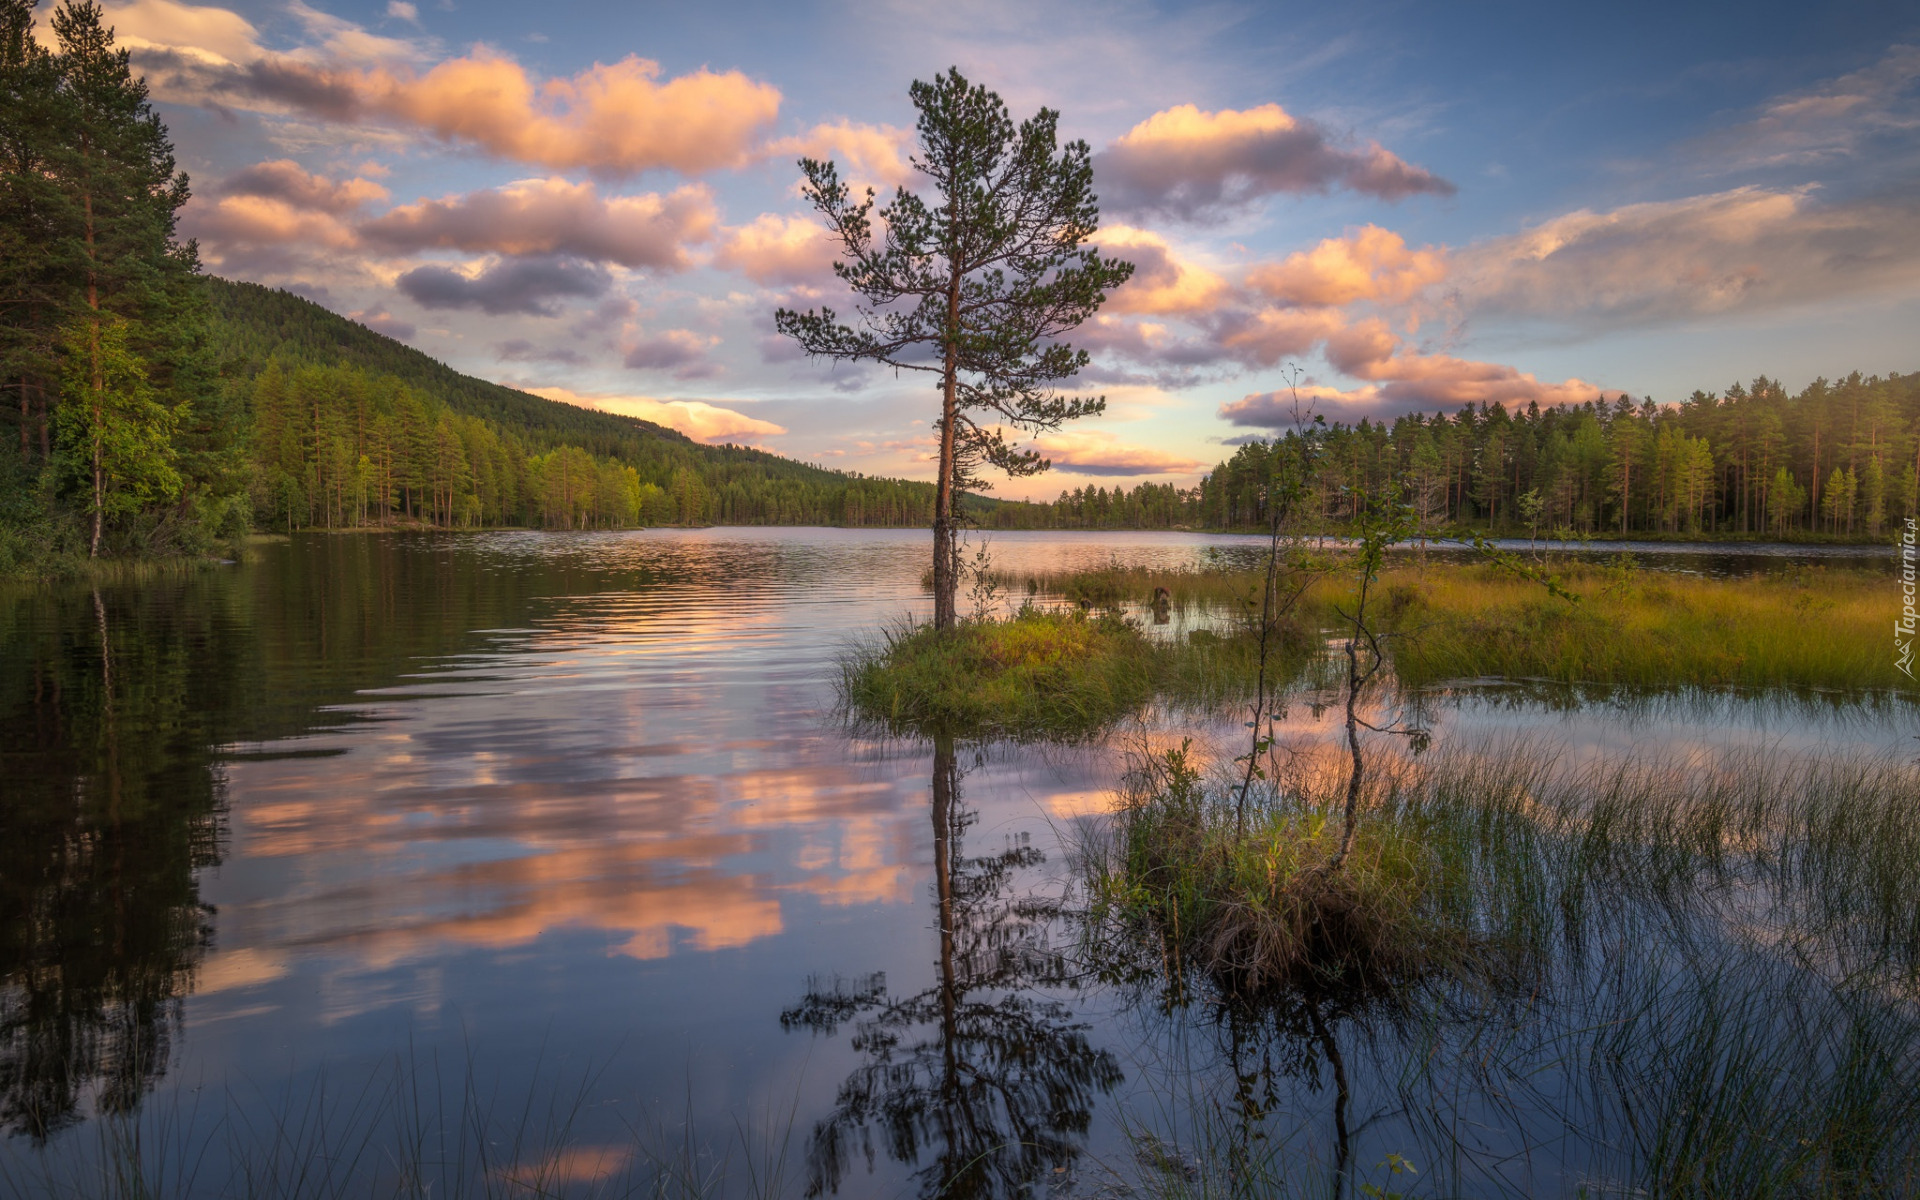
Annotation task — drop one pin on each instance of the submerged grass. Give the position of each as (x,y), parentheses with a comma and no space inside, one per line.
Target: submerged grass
(398,1133)
(1706,972)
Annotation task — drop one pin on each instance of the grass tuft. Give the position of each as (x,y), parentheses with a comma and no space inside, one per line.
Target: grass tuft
(1035,674)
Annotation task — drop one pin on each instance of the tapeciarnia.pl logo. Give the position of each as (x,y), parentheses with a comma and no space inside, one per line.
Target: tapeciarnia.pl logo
(1903,629)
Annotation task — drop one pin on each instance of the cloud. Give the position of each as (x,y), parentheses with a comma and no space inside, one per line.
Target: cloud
(1743,250)
(515,285)
(1401,381)
(867,155)
(287,181)
(400,10)
(1092,453)
(1832,120)
(236,222)
(1188,163)
(1369,263)
(209,35)
(773,249)
(1269,336)
(522,350)
(611,119)
(678,350)
(1162,283)
(341,40)
(554,216)
(696,418)
(385,322)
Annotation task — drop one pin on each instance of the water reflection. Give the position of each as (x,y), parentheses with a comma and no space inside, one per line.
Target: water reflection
(584,792)
(113,803)
(982,1082)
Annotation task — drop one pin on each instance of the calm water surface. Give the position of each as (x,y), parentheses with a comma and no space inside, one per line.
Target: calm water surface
(574,811)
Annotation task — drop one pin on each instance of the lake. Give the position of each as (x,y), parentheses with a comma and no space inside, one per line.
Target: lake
(560,834)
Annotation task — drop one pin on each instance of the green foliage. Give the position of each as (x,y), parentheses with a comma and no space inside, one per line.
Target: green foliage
(114,442)
(89,195)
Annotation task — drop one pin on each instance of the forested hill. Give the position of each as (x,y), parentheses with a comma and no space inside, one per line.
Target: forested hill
(350,427)
(251,325)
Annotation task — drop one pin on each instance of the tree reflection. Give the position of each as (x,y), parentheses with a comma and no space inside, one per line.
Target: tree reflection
(113,803)
(981,1084)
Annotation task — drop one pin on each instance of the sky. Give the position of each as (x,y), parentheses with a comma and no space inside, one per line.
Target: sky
(1380,207)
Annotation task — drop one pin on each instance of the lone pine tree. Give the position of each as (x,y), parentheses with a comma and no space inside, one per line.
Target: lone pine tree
(975,286)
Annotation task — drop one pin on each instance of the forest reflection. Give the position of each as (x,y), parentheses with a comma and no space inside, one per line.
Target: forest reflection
(981,1083)
(107,716)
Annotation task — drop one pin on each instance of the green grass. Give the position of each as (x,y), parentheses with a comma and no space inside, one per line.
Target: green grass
(1050,673)
(1036,674)
(1805,629)
(1811,629)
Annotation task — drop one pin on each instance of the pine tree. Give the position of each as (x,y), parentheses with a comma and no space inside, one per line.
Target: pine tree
(975,289)
(33,289)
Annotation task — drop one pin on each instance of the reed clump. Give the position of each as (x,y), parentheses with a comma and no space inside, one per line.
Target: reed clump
(1250,897)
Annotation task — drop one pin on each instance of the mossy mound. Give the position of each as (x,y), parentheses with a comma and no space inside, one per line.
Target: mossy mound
(1037,674)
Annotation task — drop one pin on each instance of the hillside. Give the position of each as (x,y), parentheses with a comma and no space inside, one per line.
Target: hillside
(325,393)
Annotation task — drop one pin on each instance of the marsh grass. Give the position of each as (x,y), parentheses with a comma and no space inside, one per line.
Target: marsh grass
(1699,977)
(1806,628)
(1809,629)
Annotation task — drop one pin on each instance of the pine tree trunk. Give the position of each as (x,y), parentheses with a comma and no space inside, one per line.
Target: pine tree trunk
(97,377)
(945,560)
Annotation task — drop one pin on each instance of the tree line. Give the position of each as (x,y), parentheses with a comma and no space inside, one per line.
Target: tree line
(1837,459)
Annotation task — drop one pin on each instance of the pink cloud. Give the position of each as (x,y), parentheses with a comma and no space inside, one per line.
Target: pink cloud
(696,418)
(554,216)
(1188,162)
(773,249)
(1369,263)
(233,222)
(287,181)
(1269,336)
(1162,283)
(1746,249)
(1091,453)
(681,351)
(868,155)
(613,119)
